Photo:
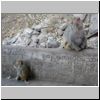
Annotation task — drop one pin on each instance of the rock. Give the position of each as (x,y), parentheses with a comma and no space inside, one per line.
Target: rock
(60,32)
(93,42)
(52,43)
(28,32)
(37,28)
(85,25)
(46,21)
(14,39)
(42,45)
(35,39)
(35,32)
(23,41)
(6,41)
(40,26)
(63,26)
(44,31)
(33,44)
(42,38)
(93,23)
(65,20)
(9,41)
(24,38)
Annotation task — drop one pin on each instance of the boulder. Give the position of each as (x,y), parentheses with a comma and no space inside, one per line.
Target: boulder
(93,42)
(42,45)
(52,43)
(27,32)
(35,32)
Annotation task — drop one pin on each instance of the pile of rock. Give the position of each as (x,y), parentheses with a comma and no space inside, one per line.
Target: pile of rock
(48,33)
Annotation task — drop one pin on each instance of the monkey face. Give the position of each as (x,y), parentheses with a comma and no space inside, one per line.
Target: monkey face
(18,64)
(78,23)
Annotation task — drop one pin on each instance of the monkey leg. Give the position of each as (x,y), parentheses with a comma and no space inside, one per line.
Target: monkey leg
(27,82)
(18,78)
(67,46)
(75,47)
(84,44)
(64,45)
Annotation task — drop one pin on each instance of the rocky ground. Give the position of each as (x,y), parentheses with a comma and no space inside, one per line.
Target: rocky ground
(43,30)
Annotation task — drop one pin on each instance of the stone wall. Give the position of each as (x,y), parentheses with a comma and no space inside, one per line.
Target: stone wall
(72,67)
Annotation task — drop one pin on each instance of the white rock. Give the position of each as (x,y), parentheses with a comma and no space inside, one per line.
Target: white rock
(23,41)
(6,41)
(42,38)
(52,43)
(15,38)
(42,45)
(35,32)
(93,42)
(46,21)
(35,39)
(93,23)
(44,31)
(28,32)
(32,44)
(38,28)
(9,41)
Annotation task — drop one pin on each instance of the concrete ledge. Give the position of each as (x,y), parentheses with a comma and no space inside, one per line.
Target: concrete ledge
(61,65)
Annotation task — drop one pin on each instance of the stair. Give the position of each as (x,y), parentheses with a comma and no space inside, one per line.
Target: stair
(13,82)
(52,66)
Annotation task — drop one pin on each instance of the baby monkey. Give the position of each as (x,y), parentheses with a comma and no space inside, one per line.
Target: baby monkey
(23,71)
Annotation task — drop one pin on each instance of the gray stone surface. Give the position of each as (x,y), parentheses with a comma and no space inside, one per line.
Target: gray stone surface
(93,23)
(13,82)
(93,42)
(80,68)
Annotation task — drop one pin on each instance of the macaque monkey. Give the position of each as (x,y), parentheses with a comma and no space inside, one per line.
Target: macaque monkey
(74,37)
(23,71)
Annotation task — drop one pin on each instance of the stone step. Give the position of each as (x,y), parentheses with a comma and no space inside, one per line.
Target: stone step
(61,65)
(13,82)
